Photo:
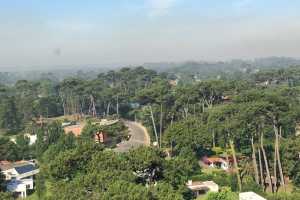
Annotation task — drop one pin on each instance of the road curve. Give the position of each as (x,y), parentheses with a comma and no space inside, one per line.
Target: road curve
(139,137)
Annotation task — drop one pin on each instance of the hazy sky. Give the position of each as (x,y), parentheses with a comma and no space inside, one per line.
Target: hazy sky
(80,32)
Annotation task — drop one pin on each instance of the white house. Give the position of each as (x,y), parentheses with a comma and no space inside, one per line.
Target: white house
(250,196)
(32,138)
(216,162)
(19,176)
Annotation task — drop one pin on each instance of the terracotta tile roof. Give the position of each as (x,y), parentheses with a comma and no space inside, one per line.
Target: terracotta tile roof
(5,165)
(213,160)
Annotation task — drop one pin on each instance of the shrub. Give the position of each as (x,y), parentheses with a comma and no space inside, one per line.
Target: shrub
(225,194)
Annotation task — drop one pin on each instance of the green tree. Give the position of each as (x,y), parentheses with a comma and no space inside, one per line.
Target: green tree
(225,194)
(189,133)
(146,163)
(40,187)
(23,147)
(48,135)
(178,170)
(8,150)
(9,118)
(164,191)
(65,142)
(6,196)
(295,173)
(71,162)
(121,190)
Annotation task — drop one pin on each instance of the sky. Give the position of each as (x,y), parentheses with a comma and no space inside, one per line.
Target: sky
(39,33)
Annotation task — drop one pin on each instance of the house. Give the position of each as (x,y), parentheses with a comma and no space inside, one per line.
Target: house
(19,176)
(173,82)
(250,196)
(216,162)
(134,105)
(263,83)
(32,138)
(201,188)
(64,124)
(226,99)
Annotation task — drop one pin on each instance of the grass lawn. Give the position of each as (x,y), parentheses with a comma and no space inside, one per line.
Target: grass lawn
(66,117)
(288,188)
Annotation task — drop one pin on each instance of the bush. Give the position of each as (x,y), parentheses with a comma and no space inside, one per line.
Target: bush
(250,185)
(6,196)
(225,194)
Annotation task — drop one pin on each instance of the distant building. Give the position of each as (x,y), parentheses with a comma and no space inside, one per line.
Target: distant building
(135,105)
(250,196)
(20,176)
(32,138)
(64,124)
(201,188)
(226,99)
(173,82)
(216,162)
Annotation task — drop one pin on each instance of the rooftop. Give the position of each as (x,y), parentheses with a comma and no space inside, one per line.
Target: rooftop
(250,196)
(206,185)
(213,159)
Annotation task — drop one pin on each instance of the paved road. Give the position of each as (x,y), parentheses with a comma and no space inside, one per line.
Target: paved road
(139,136)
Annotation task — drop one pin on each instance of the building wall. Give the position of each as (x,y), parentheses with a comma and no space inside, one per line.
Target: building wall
(10,173)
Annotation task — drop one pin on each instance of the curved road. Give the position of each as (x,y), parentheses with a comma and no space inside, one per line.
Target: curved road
(139,137)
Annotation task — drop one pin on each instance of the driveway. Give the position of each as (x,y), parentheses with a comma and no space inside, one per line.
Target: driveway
(139,137)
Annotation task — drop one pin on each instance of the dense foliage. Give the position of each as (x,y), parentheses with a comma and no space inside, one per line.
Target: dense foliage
(252,121)
(90,172)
